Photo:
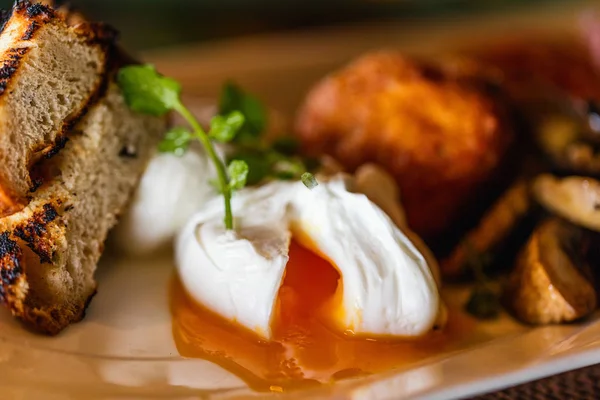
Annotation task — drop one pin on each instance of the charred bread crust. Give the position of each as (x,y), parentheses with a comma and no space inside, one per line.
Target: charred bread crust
(13,286)
(37,241)
(34,233)
(95,34)
(39,234)
(37,15)
(10,66)
(34,11)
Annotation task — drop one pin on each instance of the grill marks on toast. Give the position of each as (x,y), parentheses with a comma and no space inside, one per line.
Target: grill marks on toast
(13,278)
(52,232)
(59,236)
(33,16)
(29,246)
(95,34)
(80,177)
(10,66)
(11,272)
(38,15)
(34,232)
(31,10)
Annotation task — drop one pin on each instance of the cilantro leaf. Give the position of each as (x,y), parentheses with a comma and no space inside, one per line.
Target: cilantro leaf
(242,119)
(224,128)
(233,98)
(259,165)
(238,173)
(148,92)
(177,140)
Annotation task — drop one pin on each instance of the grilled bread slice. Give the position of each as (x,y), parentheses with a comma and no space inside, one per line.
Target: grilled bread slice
(51,71)
(49,250)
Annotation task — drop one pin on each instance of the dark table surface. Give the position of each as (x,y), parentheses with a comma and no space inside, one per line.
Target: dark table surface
(582,383)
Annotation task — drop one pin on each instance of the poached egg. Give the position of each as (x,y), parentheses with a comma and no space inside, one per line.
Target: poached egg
(170,191)
(385,284)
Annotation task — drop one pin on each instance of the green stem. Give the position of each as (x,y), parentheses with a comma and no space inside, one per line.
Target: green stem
(221,172)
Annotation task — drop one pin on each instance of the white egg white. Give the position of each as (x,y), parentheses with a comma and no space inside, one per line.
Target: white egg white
(171,190)
(388,288)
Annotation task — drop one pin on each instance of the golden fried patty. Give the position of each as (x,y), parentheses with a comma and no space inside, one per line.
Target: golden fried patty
(439,132)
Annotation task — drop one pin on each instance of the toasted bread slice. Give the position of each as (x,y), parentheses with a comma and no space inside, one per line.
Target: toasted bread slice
(49,250)
(50,73)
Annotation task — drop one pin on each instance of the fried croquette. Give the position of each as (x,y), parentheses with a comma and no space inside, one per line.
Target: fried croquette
(439,131)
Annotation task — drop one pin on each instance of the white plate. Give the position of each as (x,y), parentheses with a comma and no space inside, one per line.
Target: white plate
(124,347)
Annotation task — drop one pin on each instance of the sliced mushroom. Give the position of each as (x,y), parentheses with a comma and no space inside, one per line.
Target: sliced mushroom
(549,284)
(572,142)
(496,225)
(576,199)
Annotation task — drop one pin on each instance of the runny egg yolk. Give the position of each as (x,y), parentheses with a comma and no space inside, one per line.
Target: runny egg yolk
(304,351)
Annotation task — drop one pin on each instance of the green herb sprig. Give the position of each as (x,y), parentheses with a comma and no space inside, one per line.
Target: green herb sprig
(146,91)
(276,160)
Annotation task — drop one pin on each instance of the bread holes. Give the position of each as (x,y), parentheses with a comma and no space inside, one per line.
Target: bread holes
(61,99)
(44,120)
(128,151)
(88,252)
(73,79)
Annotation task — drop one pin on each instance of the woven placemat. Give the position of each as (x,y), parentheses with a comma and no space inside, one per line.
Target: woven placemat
(582,383)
